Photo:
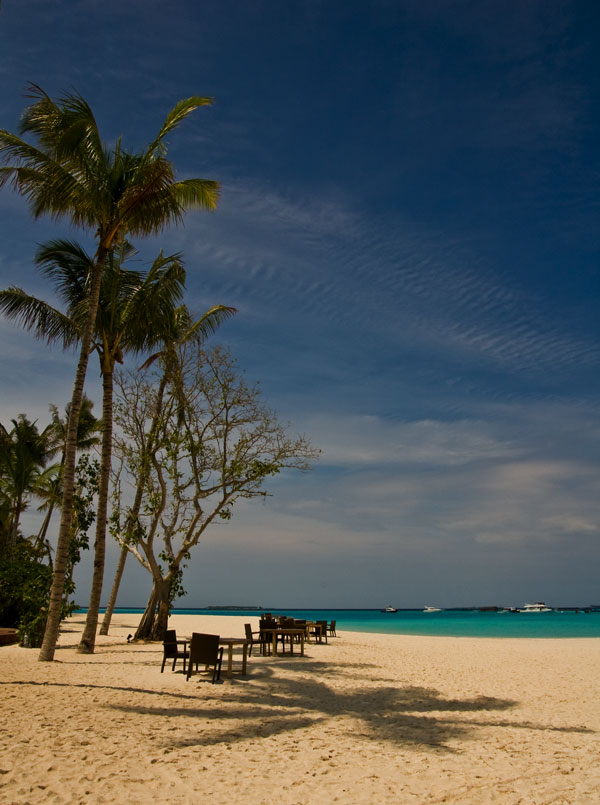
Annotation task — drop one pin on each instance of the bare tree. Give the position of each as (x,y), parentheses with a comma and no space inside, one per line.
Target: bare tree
(199,442)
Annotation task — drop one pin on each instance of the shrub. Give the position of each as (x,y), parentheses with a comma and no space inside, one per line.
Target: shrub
(24,592)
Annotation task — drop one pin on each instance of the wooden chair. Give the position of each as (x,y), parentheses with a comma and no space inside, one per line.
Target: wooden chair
(171,649)
(331,629)
(267,637)
(319,631)
(300,624)
(204,650)
(254,641)
(286,623)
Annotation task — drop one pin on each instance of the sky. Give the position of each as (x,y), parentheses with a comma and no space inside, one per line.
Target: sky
(408,228)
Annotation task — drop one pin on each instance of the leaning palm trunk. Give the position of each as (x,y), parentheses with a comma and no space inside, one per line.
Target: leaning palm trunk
(112,601)
(64,534)
(40,540)
(88,638)
(41,543)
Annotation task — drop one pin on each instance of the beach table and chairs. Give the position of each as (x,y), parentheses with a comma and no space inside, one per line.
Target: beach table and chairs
(204,649)
(283,632)
(284,636)
(274,637)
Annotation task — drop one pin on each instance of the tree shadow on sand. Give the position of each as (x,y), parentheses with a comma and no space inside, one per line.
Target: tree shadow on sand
(399,715)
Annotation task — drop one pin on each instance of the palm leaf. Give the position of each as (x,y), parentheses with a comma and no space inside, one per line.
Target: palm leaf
(38,317)
(201,193)
(177,114)
(148,311)
(66,129)
(68,266)
(209,323)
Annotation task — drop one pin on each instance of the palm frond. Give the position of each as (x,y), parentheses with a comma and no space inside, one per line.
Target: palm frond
(147,204)
(201,193)
(38,317)
(209,323)
(88,426)
(149,361)
(66,129)
(148,313)
(69,173)
(177,114)
(68,266)
(47,185)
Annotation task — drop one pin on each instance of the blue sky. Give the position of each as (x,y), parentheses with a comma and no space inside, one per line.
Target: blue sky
(409,230)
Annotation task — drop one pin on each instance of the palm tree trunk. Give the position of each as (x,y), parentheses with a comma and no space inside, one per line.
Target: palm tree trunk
(88,638)
(64,534)
(41,537)
(110,607)
(39,540)
(14,530)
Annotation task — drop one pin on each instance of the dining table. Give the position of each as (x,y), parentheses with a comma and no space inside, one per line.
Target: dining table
(230,642)
(317,629)
(297,632)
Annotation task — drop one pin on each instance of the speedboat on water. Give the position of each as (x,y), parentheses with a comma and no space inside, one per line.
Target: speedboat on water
(432,609)
(539,606)
(389,608)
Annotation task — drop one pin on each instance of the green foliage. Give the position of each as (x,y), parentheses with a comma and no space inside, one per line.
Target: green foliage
(70,173)
(84,515)
(24,453)
(24,591)
(25,579)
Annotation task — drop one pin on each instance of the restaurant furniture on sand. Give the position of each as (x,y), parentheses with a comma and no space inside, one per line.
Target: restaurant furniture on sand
(274,636)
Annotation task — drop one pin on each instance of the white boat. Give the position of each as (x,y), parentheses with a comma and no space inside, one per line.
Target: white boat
(389,608)
(432,609)
(539,606)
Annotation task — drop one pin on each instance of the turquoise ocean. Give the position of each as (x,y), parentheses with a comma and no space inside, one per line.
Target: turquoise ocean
(447,623)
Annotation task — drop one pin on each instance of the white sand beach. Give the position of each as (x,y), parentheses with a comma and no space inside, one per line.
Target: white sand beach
(365,719)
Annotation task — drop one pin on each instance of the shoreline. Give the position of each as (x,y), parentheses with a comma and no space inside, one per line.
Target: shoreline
(452,623)
(431,718)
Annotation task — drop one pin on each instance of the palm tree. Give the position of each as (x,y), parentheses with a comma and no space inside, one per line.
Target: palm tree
(133,311)
(24,453)
(71,174)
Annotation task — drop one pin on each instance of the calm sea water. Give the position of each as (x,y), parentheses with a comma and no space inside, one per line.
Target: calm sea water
(449,623)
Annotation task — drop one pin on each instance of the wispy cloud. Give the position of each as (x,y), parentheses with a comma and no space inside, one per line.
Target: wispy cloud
(371,440)
(417,290)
